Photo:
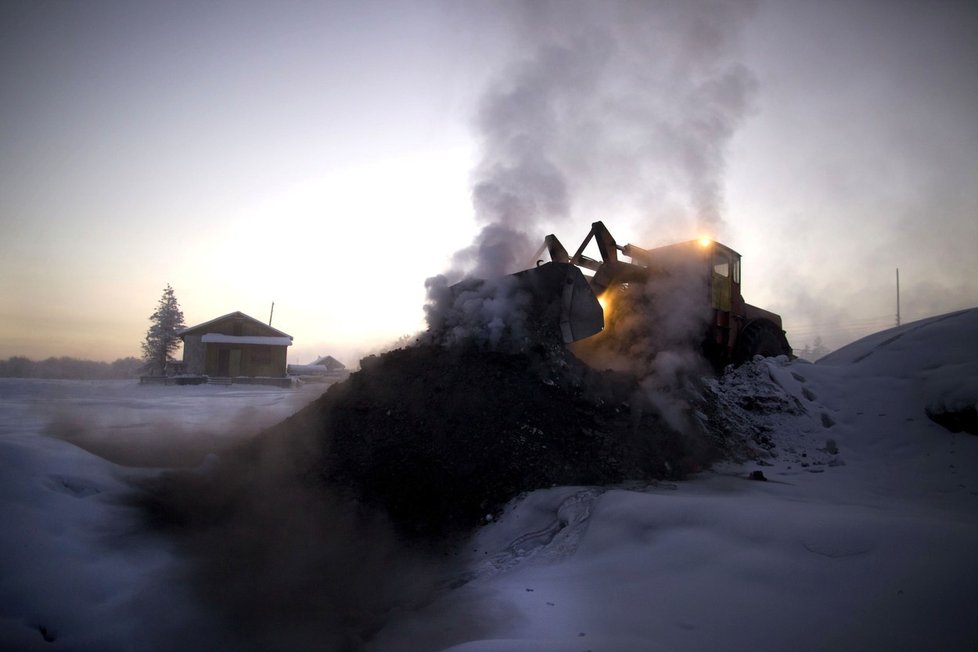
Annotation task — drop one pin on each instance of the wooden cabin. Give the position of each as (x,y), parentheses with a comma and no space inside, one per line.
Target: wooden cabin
(235,345)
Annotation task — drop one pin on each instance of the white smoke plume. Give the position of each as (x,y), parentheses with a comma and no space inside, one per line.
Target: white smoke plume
(493,312)
(621,111)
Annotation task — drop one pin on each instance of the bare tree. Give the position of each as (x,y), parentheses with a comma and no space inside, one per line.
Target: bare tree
(161,338)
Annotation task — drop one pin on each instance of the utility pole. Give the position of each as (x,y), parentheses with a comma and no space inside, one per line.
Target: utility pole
(273,306)
(898,295)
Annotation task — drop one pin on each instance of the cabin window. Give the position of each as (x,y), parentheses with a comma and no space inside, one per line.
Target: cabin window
(721,265)
(722,287)
(736,271)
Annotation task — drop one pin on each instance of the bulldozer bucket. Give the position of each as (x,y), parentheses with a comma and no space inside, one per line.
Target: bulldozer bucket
(563,300)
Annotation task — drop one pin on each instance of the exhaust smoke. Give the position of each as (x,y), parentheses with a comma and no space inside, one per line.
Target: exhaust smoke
(620,111)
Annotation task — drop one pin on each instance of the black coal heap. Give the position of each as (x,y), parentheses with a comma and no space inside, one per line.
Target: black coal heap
(440,439)
(316,528)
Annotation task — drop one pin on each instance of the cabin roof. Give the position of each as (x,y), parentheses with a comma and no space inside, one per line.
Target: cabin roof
(204,327)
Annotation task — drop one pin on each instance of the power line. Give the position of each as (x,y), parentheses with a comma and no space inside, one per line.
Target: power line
(847,322)
(840,327)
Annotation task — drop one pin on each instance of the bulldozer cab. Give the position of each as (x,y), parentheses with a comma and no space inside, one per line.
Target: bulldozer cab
(717,264)
(724,276)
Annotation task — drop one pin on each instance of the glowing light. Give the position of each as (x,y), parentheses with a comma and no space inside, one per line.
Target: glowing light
(605,301)
(705,242)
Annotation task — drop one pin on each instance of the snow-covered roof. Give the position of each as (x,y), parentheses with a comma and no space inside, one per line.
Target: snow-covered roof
(234,315)
(220,338)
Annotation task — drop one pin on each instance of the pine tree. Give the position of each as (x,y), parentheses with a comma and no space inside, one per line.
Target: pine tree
(161,338)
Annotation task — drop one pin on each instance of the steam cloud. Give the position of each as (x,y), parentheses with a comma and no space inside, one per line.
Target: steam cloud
(614,110)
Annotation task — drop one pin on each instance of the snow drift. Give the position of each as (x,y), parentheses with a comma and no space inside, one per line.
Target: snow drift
(862,537)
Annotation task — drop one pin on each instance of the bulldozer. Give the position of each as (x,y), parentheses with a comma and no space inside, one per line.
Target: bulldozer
(734,331)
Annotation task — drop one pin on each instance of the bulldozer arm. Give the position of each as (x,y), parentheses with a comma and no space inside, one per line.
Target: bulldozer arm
(609,270)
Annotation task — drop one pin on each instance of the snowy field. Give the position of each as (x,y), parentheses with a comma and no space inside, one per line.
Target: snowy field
(863,537)
(75,571)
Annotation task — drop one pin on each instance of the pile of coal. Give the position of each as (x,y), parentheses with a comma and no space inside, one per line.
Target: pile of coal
(435,441)
(440,439)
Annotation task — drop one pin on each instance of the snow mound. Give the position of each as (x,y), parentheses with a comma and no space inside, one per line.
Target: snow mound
(939,356)
(914,346)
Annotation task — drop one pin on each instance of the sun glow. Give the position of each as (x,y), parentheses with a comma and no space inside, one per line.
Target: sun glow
(326,238)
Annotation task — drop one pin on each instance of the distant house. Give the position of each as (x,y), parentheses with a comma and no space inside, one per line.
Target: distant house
(326,367)
(331,363)
(235,345)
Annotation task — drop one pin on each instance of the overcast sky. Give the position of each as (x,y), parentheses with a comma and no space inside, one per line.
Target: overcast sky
(322,155)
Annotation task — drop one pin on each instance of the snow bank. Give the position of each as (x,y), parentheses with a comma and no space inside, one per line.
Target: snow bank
(863,536)
(935,356)
(75,572)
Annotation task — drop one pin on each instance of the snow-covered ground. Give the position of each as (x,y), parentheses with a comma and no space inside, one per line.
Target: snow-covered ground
(76,573)
(864,535)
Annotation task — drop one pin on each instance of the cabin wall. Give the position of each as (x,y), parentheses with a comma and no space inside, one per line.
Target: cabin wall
(245,360)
